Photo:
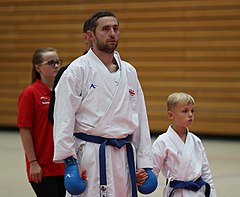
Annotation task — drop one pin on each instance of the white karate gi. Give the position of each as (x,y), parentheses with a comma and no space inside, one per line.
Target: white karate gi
(87,101)
(181,161)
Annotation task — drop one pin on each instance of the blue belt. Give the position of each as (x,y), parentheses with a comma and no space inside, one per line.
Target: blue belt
(102,158)
(190,185)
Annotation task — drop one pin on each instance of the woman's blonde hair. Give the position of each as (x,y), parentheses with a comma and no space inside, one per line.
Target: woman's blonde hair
(178,97)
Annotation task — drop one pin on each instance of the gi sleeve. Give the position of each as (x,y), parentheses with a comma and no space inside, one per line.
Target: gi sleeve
(141,137)
(206,173)
(67,103)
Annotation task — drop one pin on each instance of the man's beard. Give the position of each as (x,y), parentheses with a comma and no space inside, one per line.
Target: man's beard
(105,47)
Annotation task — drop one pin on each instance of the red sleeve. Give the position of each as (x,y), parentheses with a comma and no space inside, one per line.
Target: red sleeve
(26,109)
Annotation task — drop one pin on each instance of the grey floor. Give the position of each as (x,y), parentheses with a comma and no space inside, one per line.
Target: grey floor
(224,159)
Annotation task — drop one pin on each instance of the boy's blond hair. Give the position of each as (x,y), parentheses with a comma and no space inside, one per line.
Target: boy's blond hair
(178,98)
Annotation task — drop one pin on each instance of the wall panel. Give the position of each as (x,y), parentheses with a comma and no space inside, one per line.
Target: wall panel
(191,46)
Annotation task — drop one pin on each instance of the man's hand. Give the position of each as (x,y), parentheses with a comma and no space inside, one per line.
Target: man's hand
(74,184)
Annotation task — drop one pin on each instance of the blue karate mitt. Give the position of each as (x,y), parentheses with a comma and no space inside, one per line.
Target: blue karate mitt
(74,184)
(150,184)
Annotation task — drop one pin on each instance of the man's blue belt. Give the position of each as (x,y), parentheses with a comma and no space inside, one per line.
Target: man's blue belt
(102,158)
(190,185)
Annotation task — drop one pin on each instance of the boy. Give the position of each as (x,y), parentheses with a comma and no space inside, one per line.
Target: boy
(180,154)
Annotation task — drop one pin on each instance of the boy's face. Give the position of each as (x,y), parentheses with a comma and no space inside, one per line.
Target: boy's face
(182,115)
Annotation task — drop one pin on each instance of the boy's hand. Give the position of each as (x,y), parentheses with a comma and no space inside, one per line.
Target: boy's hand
(150,184)
(141,176)
(82,173)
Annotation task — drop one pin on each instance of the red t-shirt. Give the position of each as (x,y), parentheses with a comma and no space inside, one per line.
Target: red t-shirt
(33,113)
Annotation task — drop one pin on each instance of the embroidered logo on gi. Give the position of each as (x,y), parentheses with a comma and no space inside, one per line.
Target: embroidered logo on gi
(93,86)
(68,175)
(131,92)
(44,100)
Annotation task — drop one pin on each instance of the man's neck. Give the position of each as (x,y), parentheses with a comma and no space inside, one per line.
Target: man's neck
(107,59)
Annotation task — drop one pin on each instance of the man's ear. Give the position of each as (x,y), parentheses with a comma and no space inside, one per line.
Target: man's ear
(85,36)
(170,115)
(90,35)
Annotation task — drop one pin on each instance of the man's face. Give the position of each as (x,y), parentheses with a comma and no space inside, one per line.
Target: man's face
(106,34)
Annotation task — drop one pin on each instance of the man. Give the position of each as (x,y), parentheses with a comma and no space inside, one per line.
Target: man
(100,118)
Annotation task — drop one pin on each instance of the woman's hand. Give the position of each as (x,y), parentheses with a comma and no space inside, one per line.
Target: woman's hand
(35,172)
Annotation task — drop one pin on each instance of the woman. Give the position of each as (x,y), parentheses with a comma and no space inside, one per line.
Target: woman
(45,176)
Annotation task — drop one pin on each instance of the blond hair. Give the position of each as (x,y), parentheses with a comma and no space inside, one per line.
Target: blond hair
(178,98)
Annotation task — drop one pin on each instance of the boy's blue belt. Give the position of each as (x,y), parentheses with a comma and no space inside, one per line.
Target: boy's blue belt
(190,185)
(102,158)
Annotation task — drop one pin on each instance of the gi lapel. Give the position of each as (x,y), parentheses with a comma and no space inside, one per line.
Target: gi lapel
(186,156)
(185,152)
(106,77)
(119,97)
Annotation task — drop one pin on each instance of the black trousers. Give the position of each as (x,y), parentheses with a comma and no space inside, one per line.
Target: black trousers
(51,186)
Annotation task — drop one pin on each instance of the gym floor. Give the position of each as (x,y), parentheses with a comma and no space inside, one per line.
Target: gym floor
(223,156)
